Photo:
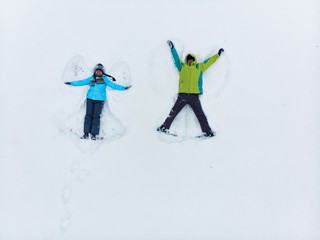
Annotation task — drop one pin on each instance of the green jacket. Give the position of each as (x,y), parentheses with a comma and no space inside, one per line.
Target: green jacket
(190,80)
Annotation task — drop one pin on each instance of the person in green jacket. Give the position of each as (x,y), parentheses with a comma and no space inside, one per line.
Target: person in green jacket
(190,87)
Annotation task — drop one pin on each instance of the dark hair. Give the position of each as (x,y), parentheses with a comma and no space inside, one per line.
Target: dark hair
(190,57)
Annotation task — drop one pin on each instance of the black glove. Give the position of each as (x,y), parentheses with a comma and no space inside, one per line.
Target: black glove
(170,44)
(68,83)
(221,50)
(128,87)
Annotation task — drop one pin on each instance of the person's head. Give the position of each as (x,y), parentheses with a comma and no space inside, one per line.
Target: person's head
(99,70)
(190,59)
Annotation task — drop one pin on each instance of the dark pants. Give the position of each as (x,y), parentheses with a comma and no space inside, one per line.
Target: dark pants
(92,118)
(194,102)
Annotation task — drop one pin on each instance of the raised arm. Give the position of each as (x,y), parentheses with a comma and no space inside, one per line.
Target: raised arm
(207,63)
(175,55)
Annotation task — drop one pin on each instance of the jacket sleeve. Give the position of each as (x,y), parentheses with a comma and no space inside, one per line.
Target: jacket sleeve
(113,85)
(207,63)
(83,82)
(176,59)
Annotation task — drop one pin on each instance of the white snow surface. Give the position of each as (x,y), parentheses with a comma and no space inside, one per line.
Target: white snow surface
(257,179)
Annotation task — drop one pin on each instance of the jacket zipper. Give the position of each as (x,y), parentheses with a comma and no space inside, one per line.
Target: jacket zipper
(189,78)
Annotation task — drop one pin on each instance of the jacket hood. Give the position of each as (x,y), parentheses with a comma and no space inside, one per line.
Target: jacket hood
(195,59)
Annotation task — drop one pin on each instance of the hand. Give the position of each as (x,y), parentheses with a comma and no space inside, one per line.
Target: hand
(68,83)
(128,87)
(170,44)
(221,50)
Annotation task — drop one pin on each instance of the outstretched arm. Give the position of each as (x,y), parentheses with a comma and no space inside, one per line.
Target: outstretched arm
(83,82)
(113,85)
(175,55)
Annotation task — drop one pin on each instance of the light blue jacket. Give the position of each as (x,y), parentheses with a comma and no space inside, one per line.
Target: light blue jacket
(98,91)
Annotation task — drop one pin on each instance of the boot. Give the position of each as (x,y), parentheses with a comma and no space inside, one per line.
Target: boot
(85,136)
(162,129)
(209,134)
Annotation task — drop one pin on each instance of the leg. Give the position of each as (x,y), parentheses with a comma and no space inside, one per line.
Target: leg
(88,117)
(180,103)
(98,105)
(196,107)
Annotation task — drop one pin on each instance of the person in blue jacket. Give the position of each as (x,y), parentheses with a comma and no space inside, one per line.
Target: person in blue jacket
(96,97)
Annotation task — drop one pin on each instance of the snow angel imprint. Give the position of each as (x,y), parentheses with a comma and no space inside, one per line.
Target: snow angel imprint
(96,97)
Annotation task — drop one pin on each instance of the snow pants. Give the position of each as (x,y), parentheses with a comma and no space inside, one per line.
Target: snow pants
(92,118)
(194,102)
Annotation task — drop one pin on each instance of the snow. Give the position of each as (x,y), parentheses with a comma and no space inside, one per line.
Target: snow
(257,179)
